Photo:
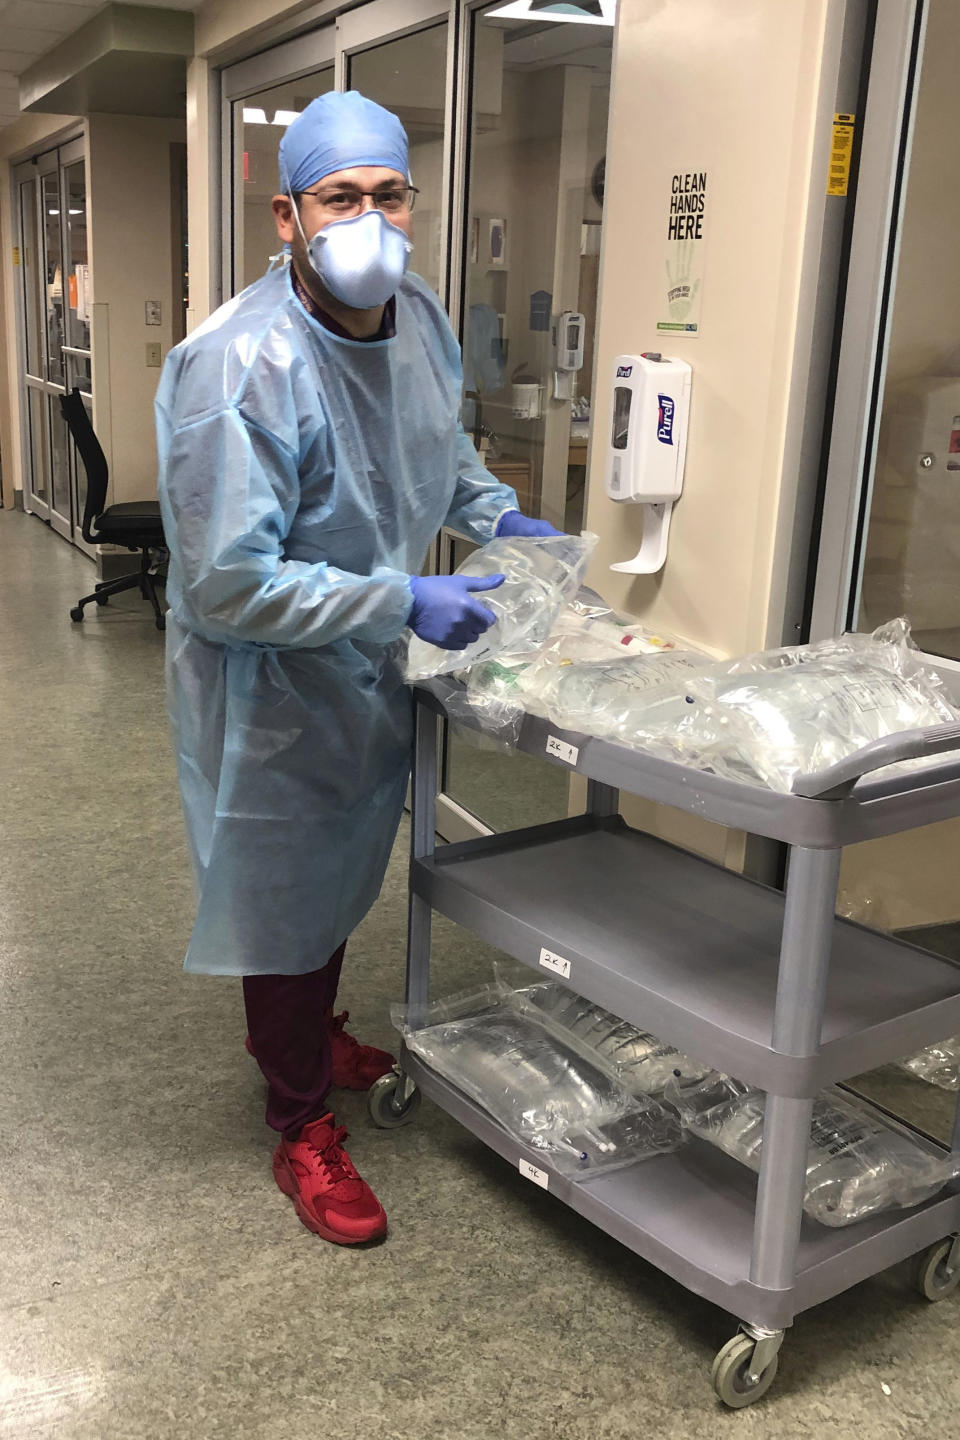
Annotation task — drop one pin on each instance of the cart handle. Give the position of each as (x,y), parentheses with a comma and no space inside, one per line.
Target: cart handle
(838,781)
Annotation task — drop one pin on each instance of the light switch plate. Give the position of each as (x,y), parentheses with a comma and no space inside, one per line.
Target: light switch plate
(153,355)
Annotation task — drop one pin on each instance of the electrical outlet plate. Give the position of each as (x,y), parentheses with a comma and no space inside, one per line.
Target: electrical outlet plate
(152,312)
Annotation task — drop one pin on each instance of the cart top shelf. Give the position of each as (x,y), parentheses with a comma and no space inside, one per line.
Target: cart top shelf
(856,800)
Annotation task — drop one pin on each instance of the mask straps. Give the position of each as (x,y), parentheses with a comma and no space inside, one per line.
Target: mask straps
(296,211)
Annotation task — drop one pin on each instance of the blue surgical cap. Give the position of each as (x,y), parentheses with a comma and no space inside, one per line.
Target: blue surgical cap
(336,132)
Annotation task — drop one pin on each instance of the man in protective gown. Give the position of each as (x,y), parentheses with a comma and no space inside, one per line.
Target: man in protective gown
(310,449)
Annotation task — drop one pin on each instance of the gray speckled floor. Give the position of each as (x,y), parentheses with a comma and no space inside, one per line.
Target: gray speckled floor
(153,1281)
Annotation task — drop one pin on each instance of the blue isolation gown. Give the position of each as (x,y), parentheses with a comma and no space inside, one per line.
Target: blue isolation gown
(302,479)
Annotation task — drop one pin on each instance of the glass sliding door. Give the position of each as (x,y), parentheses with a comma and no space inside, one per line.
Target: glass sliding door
(54,309)
(535,134)
(395,51)
(32,319)
(507,121)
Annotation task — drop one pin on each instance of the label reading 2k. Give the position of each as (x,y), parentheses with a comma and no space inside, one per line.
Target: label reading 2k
(556,963)
(561,750)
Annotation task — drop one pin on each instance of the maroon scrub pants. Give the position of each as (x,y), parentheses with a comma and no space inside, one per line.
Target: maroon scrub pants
(288,1020)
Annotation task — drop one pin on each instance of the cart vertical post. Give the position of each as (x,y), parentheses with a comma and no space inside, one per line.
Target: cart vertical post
(805,949)
(602,800)
(423,832)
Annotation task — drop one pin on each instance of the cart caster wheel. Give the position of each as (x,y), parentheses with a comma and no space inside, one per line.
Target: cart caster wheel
(380,1103)
(161,624)
(933,1279)
(102,599)
(76,614)
(730,1370)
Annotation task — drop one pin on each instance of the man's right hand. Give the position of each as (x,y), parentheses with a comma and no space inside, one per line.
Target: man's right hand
(444,611)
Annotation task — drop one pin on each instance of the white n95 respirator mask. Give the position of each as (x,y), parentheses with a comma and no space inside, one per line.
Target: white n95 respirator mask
(361,261)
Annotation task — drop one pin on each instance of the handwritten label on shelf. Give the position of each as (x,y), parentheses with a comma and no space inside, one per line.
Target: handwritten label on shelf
(556,963)
(530,1172)
(561,750)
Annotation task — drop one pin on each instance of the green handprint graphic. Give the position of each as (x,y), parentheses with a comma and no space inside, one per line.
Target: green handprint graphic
(680,293)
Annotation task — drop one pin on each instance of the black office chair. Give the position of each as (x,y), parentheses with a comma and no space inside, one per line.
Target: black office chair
(136,524)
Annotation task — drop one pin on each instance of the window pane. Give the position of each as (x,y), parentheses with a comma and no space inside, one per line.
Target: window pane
(79,296)
(912,559)
(265,117)
(32,269)
(39,462)
(50,194)
(59,459)
(409,77)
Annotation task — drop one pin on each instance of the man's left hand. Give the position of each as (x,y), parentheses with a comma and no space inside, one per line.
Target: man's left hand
(513,523)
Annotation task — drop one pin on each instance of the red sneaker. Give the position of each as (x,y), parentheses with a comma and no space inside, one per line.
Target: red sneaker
(355,1066)
(327,1193)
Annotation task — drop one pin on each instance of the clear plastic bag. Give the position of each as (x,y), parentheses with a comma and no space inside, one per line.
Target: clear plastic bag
(544,1091)
(488,711)
(634,700)
(938,1064)
(784,713)
(644,1064)
(859,1161)
(541,576)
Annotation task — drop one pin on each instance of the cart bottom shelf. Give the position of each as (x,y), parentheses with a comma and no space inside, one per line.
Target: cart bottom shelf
(691,1214)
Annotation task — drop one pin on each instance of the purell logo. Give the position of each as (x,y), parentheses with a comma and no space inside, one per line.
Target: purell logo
(665,420)
(624,372)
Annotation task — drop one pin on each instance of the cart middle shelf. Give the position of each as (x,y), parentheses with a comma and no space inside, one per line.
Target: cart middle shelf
(685,949)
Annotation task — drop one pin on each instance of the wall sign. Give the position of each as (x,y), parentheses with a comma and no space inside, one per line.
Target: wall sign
(841,153)
(685,234)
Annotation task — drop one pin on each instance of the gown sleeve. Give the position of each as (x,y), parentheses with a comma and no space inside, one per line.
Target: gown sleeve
(229,490)
(479,498)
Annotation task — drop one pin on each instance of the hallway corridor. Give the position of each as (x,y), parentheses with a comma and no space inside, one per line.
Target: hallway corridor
(155,1284)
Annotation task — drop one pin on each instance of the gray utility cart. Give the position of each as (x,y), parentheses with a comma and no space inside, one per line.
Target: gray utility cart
(768,987)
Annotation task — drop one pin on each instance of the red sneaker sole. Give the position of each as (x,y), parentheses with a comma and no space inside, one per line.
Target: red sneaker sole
(288,1185)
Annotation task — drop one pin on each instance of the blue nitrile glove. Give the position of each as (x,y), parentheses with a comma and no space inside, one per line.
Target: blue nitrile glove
(444,611)
(511,522)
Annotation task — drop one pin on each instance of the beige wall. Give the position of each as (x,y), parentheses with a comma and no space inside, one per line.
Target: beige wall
(29,135)
(130,194)
(739,81)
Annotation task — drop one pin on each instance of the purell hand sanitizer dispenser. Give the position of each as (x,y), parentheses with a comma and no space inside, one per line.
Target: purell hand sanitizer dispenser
(651,406)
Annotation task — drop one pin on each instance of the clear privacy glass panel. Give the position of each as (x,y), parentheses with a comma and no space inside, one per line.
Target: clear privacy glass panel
(409,77)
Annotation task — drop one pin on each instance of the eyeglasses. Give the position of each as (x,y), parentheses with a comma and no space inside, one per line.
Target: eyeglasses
(346,201)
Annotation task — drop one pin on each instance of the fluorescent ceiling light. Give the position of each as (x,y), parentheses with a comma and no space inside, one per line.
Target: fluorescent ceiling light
(74,212)
(253,116)
(285,117)
(576,12)
(53,212)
